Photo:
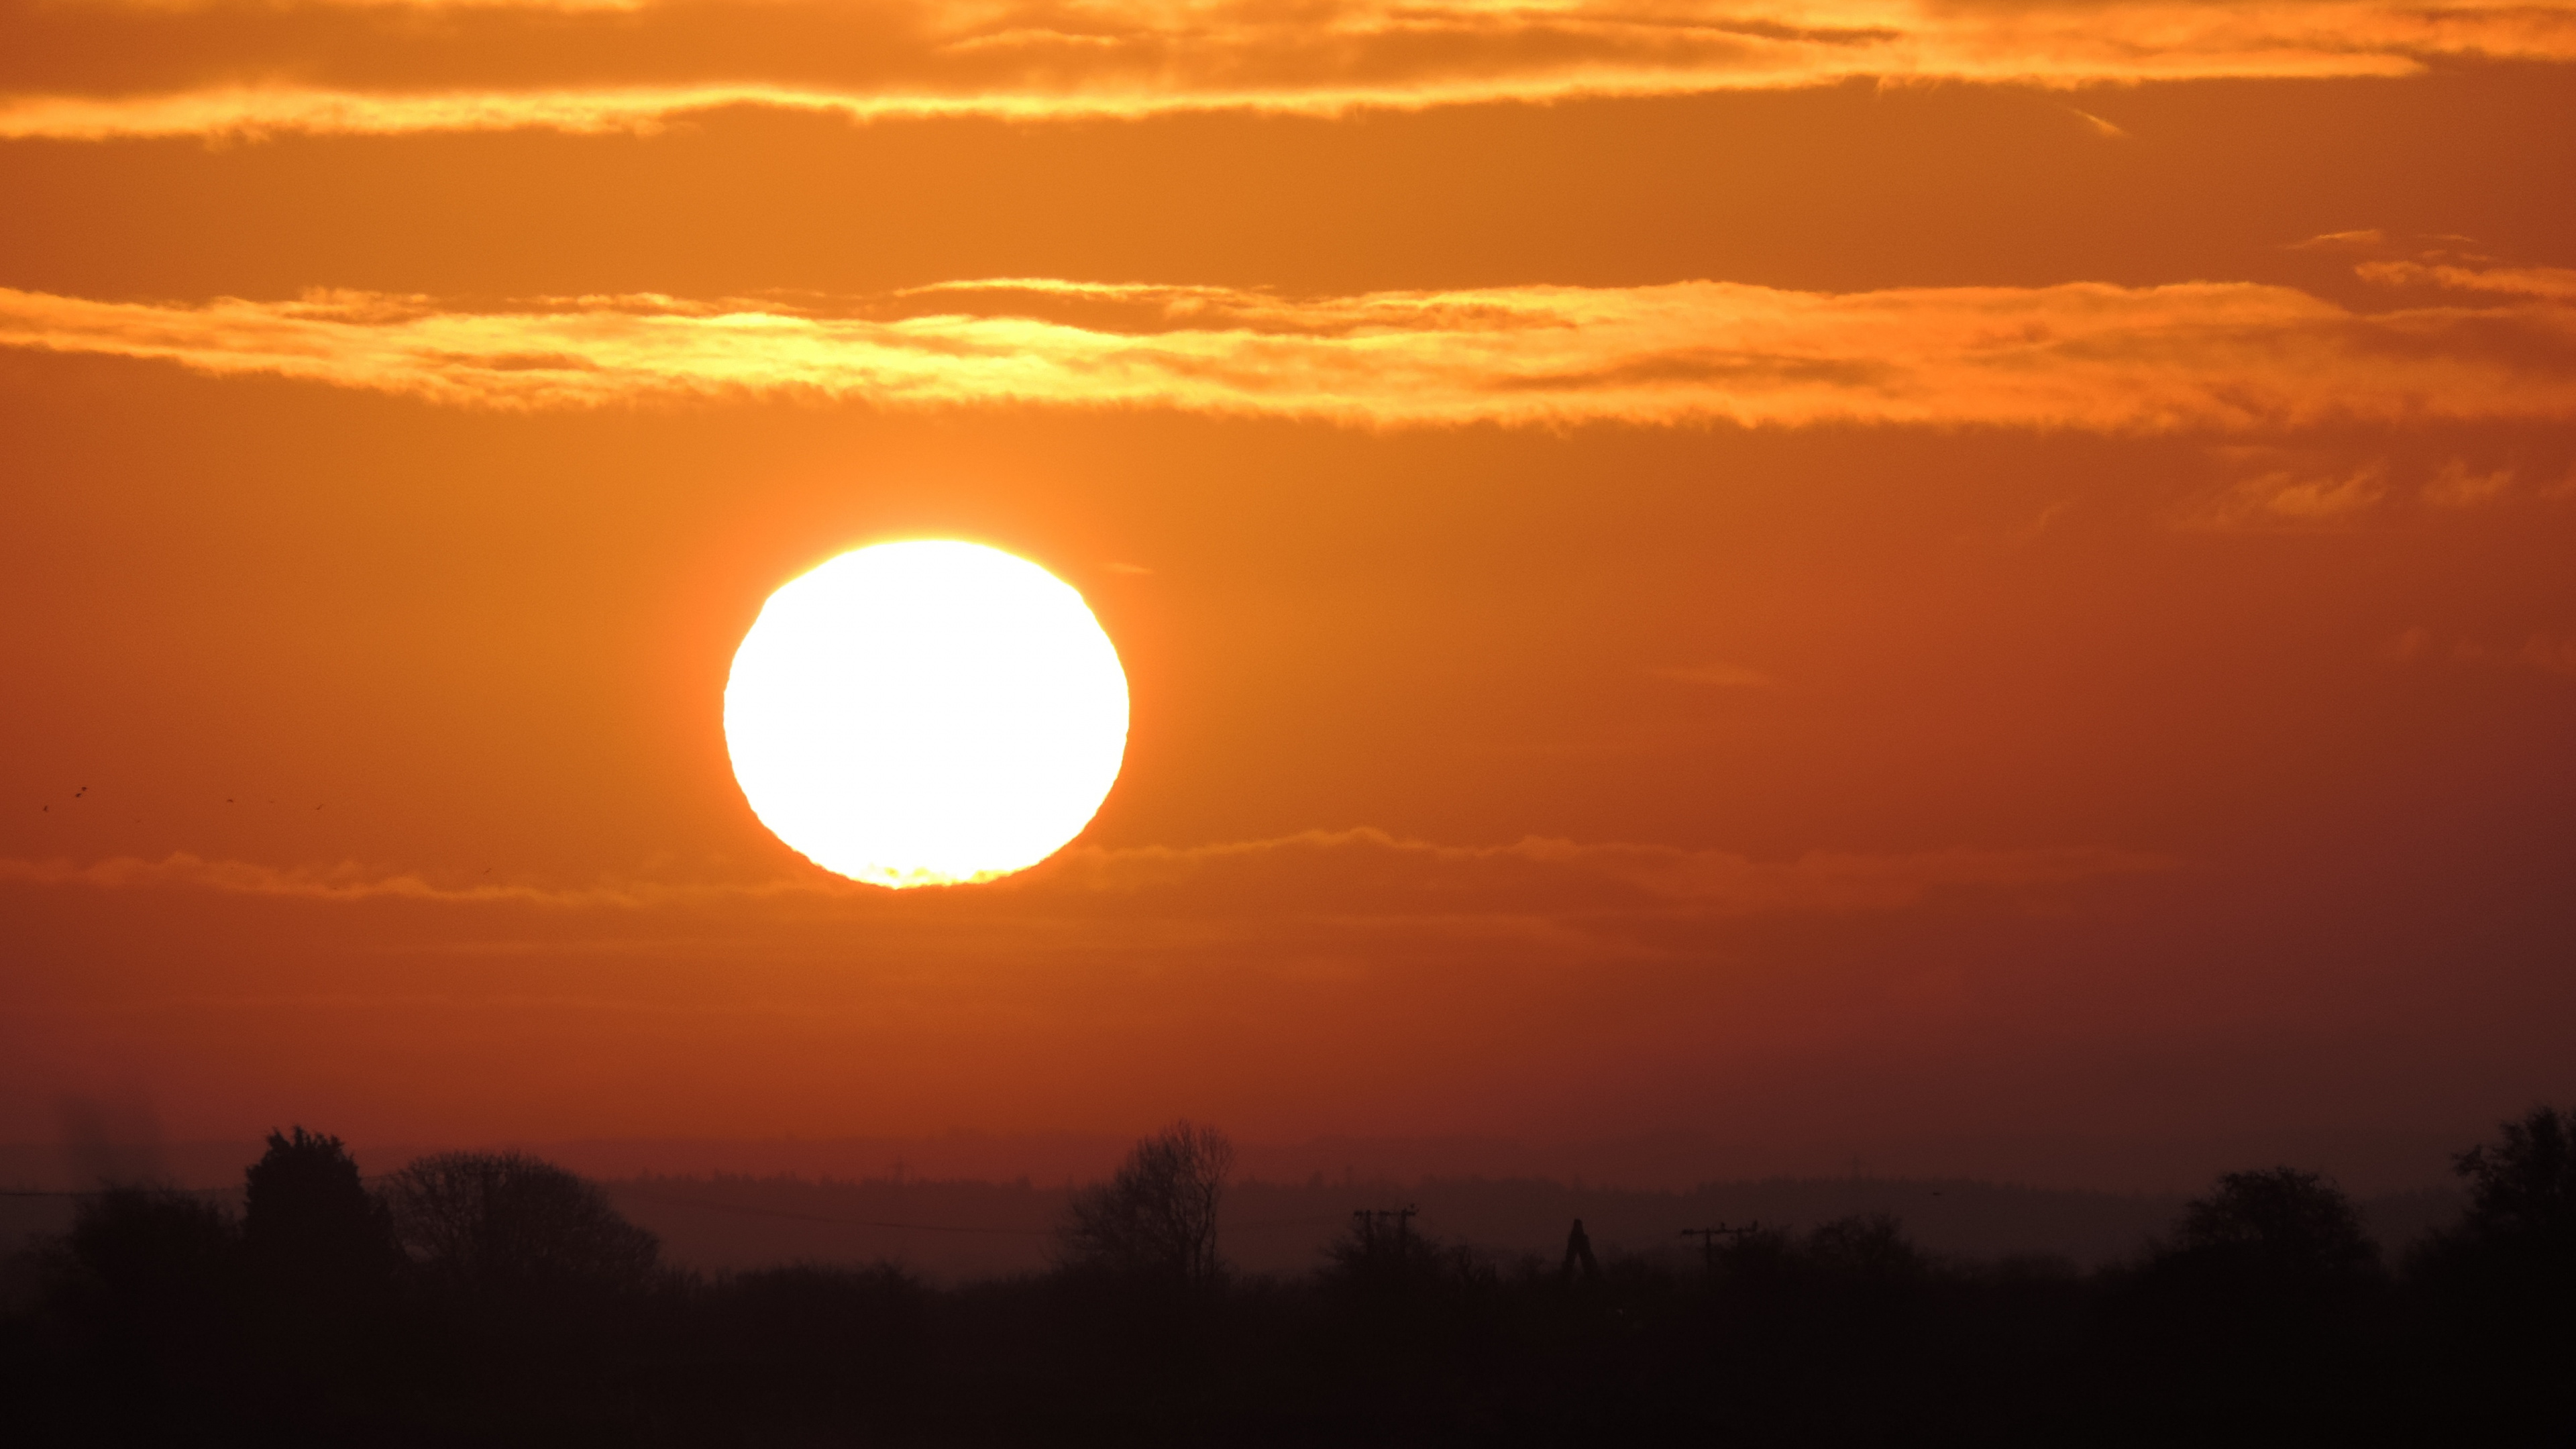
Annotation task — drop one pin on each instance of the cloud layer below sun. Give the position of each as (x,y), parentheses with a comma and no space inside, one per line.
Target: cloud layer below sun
(95,71)
(1579,887)
(2199,356)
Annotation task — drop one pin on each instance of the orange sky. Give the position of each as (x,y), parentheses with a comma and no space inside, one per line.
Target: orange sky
(1852,578)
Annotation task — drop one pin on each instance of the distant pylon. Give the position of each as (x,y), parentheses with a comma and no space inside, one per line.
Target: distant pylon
(1708,1240)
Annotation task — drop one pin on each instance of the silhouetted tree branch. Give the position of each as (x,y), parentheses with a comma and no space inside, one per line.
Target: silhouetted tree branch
(501,1220)
(1158,1214)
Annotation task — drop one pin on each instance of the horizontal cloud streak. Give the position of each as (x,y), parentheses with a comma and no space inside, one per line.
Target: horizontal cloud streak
(1361,872)
(1365,869)
(96,72)
(2212,356)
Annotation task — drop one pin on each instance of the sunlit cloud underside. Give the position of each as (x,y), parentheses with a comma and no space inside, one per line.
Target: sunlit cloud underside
(583,67)
(2493,344)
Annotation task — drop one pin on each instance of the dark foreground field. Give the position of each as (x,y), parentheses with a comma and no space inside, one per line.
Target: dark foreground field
(495,1300)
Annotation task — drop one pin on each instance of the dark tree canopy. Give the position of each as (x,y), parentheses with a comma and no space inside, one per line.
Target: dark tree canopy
(2513,1253)
(1865,1248)
(2523,1187)
(308,1220)
(526,1316)
(1158,1215)
(2282,1225)
(150,1245)
(506,1220)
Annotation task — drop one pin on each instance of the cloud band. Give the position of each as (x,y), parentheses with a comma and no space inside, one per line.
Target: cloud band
(2226,357)
(104,71)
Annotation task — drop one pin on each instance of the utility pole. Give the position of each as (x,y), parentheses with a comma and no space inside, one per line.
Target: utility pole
(1370,1220)
(1708,1240)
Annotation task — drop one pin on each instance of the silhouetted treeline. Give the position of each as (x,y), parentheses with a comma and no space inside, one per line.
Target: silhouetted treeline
(951,1230)
(473,1298)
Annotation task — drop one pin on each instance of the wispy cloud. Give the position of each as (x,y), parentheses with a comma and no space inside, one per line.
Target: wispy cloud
(1361,872)
(2546,652)
(1364,868)
(2366,239)
(372,66)
(2293,498)
(2293,487)
(350,881)
(2557,284)
(2458,485)
(2098,126)
(2210,356)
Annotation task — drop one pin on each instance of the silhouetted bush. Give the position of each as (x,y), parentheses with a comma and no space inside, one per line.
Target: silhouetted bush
(1869,1249)
(155,1249)
(2497,1291)
(808,1345)
(311,1229)
(1760,1260)
(147,1296)
(2270,1263)
(2280,1231)
(2523,1188)
(2266,1311)
(2517,1242)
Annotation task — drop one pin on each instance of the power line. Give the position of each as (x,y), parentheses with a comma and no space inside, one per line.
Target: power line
(95,1191)
(1708,1239)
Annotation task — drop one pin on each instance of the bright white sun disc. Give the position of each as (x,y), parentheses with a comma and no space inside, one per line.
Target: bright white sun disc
(926,713)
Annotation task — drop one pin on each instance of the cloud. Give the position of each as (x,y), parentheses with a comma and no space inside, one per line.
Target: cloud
(1535,872)
(2543,651)
(2297,487)
(351,881)
(2458,485)
(2409,644)
(2098,126)
(2364,240)
(2549,654)
(375,66)
(1360,873)
(2225,357)
(2556,284)
(2293,498)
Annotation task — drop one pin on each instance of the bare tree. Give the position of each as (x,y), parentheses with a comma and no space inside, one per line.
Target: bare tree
(492,1220)
(1158,1214)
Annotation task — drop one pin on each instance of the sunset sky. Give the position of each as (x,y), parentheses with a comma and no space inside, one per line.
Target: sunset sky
(1988,587)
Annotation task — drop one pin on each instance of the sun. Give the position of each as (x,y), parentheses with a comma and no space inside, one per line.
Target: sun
(926,713)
